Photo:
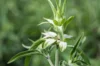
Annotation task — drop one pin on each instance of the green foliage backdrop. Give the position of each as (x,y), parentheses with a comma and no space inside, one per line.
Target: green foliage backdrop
(19,20)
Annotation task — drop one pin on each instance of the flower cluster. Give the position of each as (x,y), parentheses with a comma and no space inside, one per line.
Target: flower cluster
(51,38)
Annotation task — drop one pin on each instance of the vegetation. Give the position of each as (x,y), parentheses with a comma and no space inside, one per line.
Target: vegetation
(18,20)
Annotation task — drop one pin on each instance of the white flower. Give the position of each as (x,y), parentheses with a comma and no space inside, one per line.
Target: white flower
(49,42)
(67,36)
(62,46)
(49,34)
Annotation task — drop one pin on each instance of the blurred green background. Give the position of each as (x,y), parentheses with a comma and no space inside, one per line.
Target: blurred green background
(19,20)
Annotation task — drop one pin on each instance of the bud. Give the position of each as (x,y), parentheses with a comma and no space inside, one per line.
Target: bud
(62,46)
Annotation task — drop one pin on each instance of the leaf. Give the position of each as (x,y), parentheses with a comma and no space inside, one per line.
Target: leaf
(55,22)
(59,3)
(22,54)
(27,60)
(80,62)
(70,46)
(52,7)
(43,23)
(27,47)
(50,21)
(37,43)
(77,44)
(63,7)
(84,56)
(63,63)
(68,21)
(30,40)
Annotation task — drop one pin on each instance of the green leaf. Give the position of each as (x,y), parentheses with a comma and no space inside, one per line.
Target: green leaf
(55,22)
(59,3)
(63,7)
(63,21)
(22,54)
(37,43)
(84,56)
(67,21)
(80,62)
(27,47)
(27,60)
(30,40)
(77,44)
(63,63)
(50,21)
(52,7)
(43,23)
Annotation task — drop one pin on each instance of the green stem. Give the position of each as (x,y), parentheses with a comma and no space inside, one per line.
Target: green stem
(57,58)
(49,60)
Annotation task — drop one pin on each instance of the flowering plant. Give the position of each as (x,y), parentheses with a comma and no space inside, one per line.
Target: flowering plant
(55,38)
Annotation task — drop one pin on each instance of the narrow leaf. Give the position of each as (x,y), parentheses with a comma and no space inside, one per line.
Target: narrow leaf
(50,21)
(84,56)
(43,23)
(27,60)
(68,21)
(77,44)
(63,7)
(30,40)
(37,43)
(59,3)
(80,62)
(22,54)
(27,47)
(52,7)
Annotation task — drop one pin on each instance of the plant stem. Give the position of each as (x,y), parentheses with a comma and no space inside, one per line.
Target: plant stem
(49,60)
(57,57)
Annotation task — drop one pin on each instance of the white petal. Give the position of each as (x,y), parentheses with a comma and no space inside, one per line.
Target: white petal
(49,34)
(49,42)
(62,46)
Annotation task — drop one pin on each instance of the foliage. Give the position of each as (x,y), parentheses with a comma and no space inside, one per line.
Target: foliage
(18,22)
